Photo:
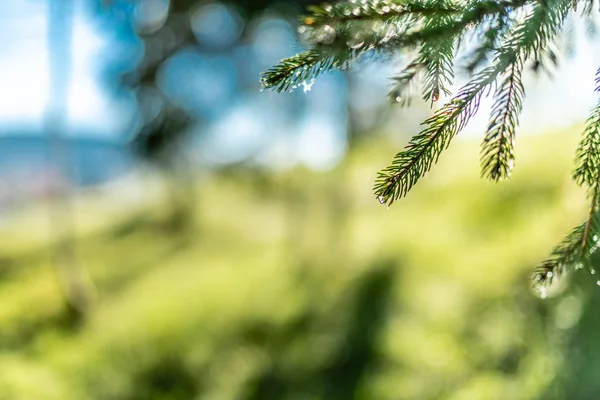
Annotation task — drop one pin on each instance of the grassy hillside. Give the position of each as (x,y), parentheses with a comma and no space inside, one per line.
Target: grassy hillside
(300,286)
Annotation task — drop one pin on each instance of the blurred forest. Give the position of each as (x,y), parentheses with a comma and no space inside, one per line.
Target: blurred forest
(227,245)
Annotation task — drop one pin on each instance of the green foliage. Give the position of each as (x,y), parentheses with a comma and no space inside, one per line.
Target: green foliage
(509,36)
(228,313)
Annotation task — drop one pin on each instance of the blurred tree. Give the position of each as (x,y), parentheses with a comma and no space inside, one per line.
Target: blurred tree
(77,285)
(165,133)
(508,36)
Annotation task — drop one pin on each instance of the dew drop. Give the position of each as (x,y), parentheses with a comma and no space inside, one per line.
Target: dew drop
(398,99)
(595,238)
(592,271)
(543,292)
(435,95)
(328,7)
(598,283)
(381,199)
(538,277)
(386,9)
(355,43)
(550,274)
(356,11)
(327,35)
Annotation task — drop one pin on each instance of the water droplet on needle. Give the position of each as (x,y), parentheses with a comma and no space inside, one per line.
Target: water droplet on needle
(327,35)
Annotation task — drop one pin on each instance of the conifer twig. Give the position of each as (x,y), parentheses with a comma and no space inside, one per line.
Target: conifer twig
(576,248)
(425,148)
(510,33)
(497,152)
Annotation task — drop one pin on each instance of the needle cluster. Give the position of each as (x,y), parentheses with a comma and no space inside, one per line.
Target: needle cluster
(510,36)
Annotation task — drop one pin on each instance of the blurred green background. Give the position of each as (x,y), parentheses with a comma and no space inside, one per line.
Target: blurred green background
(221,243)
(299,286)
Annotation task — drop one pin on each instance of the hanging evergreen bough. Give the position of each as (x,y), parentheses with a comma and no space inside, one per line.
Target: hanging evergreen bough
(509,35)
(497,156)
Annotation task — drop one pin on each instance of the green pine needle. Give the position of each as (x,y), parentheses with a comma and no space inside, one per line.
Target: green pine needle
(587,156)
(570,252)
(292,72)
(424,149)
(437,55)
(328,14)
(574,251)
(335,43)
(497,152)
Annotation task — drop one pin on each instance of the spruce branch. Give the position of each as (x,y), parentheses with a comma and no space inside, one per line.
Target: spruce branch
(293,71)
(576,249)
(489,37)
(424,149)
(497,151)
(587,160)
(590,225)
(353,11)
(470,17)
(587,155)
(332,49)
(417,158)
(438,57)
(336,43)
(331,14)
(567,253)
(512,33)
